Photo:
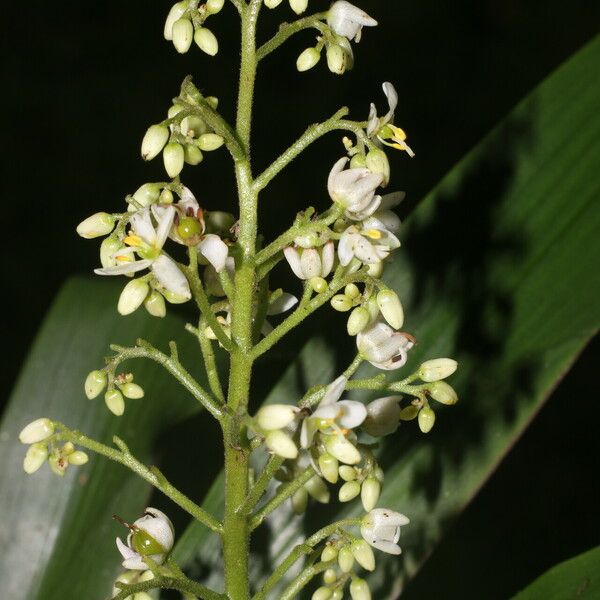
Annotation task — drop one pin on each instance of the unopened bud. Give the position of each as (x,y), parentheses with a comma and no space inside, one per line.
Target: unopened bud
(342,449)
(95,226)
(383,415)
(95,382)
(146,194)
(78,458)
(336,59)
(375,270)
(210,142)
(408,413)
(358,161)
(206,41)
(114,402)
(330,552)
(329,467)
(318,284)
(317,489)
(155,304)
(132,390)
(132,296)
(330,576)
(281,444)
(363,554)
(37,431)
(299,6)
(347,473)
(359,589)
(35,457)
(341,303)
(436,369)
(173,158)
(443,393)
(154,141)
(174,298)
(183,34)
(369,493)
(308,59)
(349,491)
(322,593)
(346,559)
(175,14)
(192,155)
(276,416)
(359,318)
(377,162)
(273,3)
(214,6)
(108,248)
(300,501)
(391,308)
(426,419)
(352,291)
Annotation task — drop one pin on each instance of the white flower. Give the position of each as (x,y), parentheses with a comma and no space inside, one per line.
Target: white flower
(383,127)
(348,20)
(307,263)
(370,243)
(354,189)
(383,347)
(152,535)
(37,431)
(381,529)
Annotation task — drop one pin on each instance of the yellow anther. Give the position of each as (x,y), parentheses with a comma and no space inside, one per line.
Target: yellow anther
(374,234)
(123,258)
(399,134)
(133,240)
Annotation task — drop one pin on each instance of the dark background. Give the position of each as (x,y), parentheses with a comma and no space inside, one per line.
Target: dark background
(81,83)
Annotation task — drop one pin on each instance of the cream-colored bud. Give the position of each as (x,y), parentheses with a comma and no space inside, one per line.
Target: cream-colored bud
(369,493)
(132,296)
(342,449)
(299,6)
(330,576)
(338,594)
(154,141)
(359,318)
(383,415)
(307,59)
(147,194)
(95,382)
(349,491)
(316,487)
(336,59)
(35,457)
(155,304)
(183,34)
(359,589)
(192,155)
(108,248)
(37,431)
(377,162)
(132,390)
(408,413)
(322,593)
(300,501)
(436,369)
(78,458)
(166,196)
(443,393)
(214,6)
(276,416)
(173,158)
(352,291)
(363,554)
(281,444)
(210,141)
(346,559)
(341,303)
(273,3)
(175,14)
(206,41)
(318,284)
(329,467)
(347,473)
(330,552)
(391,308)
(426,419)
(114,402)
(95,226)
(375,270)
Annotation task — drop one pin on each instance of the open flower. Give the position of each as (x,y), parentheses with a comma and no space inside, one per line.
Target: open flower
(384,347)
(152,536)
(381,529)
(348,20)
(383,128)
(311,262)
(370,243)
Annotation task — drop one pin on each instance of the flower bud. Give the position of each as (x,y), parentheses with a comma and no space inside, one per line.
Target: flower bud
(174,298)
(330,576)
(363,554)
(341,303)
(336,59)
(300,501)
(369,493)
(114,401)
(391,308)
(132,296)
(214,6)
(276,416)
(308,59)
(383,415)
(359,318)
(183,34)
(338,594)
(426,419)
(443,393)
(408,413)
(349,491)
(318,284)
(35,457)
(108,248)
(154,141)
(132,390)
(206,41)
(359,589)
(95,382)
(166,196)
(330,552)
(317,489)
(192,155)
(352,291)
(95,226)
(346,559)
(155,304)
(78,458)
(342,449)
(173,158)
(37,431)
(436,369)
(375,270)
(322,593)
(273,3)
(299,6)
(329,467)
(377,162)
(347,473)
(210,141)
(281,444)
(68,448)
(175,14)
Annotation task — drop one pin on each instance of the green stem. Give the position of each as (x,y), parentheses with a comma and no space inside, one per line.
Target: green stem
(261,484)
(304,579)
(152,476)
(183,585)
(210,364)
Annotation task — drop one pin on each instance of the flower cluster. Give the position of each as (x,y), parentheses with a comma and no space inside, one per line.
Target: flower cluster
(119,388)
(185,24)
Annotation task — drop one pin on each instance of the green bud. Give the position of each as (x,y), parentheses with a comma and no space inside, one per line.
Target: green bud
(330,552)
(155,304)
(316,487)
(183,34)
(409,412)
(336,59)
(391,308)
(114,401)
(338,594)
(95,383)
(147,194)
(322,593)
(214,6)
(318,284)
(358,161)
(206,41)
(132,296)
(363,554)
(329,467)
(436,369)
(308,59)
(218,221)
(175,13)
(192,155)
(443,393)
(369,493)
(359,318)
(341,303)
(300,501)
(359,589)
(172,297)
(372,307)
(330,576)
(377,162)
(426,419)
(349,491)
(78,458)
(166,196)
(346,559)
(347,473)
(173,158)
(210,141)
(95,226)
(154,141)
(352,291)
(132,390)
(35,457)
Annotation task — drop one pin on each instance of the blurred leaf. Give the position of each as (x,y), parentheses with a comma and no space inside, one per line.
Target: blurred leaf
(58,534)
(575,579)
(498,271)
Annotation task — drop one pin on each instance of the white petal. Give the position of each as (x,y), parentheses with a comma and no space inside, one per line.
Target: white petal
(125,268)
(141,223)
(392,200)
(170,277)
(392,96)
(135,563)
(353,414)
(334,391)
(311,263)
(346,247)
(386,546)
(373,122)
(187,200)
(335,171)
(293,258)
(126,551)
(327,258)
(215,250)
(307,432)
(365,251)
(282,304)
(165,222)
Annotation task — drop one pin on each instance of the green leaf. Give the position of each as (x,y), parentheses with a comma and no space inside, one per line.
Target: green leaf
(58,535)
(497,270)
(574,579)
